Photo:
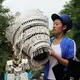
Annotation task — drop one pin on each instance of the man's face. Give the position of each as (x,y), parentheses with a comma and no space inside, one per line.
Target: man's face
(57,27)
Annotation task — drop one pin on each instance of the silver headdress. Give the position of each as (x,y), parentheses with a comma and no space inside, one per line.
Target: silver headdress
(29,36)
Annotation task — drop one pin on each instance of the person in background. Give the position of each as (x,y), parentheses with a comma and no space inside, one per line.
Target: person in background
(62,49)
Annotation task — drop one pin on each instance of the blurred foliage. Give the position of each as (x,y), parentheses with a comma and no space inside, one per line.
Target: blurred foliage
(73,9)
(5,46)
(70,34)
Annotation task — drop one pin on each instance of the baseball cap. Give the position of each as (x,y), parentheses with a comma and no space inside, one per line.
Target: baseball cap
(65,19)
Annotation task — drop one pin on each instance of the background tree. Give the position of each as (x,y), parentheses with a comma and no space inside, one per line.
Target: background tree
(5,47)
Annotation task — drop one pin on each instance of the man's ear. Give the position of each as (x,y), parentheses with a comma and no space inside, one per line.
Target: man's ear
(64,27)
